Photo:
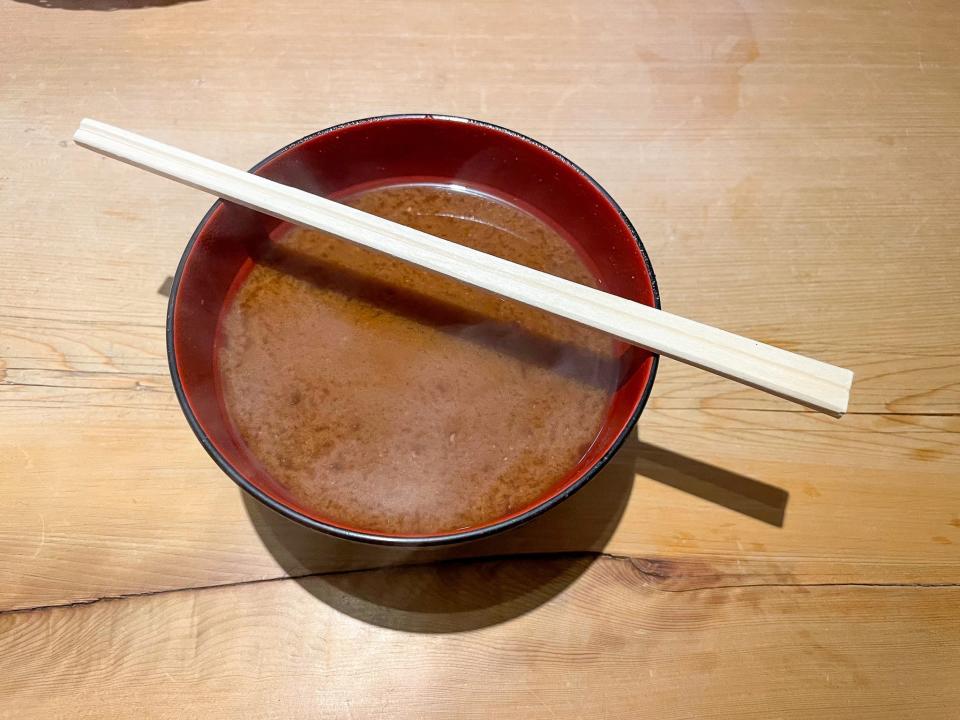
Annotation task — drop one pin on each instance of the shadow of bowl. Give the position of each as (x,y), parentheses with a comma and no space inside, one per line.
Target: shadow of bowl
(451,596)
(459,587)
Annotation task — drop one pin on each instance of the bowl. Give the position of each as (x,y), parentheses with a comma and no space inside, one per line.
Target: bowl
(403,148)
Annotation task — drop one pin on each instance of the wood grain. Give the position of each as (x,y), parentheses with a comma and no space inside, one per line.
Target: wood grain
(793,170)
(611,645)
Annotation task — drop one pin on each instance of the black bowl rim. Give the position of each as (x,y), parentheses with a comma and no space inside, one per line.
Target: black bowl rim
(404,541)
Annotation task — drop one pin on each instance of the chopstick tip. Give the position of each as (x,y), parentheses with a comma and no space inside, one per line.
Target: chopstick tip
(78,133)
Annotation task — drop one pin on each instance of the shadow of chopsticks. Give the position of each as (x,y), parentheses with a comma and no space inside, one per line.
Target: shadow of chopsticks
(484,325)
(739,493)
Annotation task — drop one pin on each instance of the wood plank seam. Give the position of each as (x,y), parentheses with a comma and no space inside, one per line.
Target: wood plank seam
(639,565)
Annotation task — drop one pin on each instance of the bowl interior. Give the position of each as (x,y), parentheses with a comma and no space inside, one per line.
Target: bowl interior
(394,150)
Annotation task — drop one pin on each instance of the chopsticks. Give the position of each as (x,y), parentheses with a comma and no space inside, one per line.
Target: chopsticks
(803,380)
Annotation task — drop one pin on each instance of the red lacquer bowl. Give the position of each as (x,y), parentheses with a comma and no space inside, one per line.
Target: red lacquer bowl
(398,149)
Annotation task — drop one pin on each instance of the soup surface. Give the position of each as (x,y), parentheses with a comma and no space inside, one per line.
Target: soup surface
(391,399)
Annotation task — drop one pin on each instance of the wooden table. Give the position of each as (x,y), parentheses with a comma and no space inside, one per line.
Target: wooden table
(793,170)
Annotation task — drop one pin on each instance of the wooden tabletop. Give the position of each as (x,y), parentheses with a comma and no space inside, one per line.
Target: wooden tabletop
(793,170)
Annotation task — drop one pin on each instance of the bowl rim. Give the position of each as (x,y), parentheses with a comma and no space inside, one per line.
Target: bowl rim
(459,536)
